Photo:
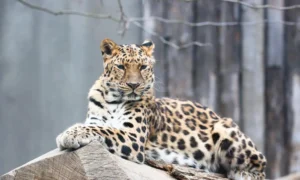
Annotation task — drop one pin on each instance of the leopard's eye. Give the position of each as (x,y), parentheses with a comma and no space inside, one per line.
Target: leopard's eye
(143,67)
(121,66)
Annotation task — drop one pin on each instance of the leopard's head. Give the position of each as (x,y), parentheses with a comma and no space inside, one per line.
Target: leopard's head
(128,69)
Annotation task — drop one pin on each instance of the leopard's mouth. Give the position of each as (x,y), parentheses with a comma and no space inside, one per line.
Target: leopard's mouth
(132,95)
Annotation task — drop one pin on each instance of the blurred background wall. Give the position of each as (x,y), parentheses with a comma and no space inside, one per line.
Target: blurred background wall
(47,65)
(241,59)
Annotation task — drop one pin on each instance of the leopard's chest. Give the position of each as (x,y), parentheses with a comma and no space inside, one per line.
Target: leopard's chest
(110,116)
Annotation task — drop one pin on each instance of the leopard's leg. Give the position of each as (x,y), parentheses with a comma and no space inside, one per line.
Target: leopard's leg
(126,144)
(237,153)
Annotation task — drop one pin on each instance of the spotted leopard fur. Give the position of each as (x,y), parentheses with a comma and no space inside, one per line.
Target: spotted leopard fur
(125,117)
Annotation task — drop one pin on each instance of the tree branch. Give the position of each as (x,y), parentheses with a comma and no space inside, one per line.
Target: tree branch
(163,40)
(68,12)
(209,23)
(125,21)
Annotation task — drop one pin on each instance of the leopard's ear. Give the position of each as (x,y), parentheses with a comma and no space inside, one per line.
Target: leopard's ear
(108,47)
(148,47)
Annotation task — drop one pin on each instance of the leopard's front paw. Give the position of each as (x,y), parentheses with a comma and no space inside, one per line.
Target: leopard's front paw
(74,137)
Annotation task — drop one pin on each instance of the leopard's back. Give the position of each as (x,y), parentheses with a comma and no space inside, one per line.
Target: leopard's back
(191,134)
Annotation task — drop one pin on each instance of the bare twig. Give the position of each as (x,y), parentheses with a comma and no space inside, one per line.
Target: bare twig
(208,23)
(69,12)
(163,40)
(126,21)
(121,10)
(123,20)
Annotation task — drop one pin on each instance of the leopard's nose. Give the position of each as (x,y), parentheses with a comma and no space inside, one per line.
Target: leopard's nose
(133,86)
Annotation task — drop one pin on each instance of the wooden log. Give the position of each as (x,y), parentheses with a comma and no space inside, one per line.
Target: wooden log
(90,162)
(292,133)
(293,176)
(205,58)
(228,78)
(95,162)
(275,98)
(252,79)
(157,9)
(180,61)
(184,173)
(292,87)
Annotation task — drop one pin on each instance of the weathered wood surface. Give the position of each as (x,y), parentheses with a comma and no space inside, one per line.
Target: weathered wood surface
(205,58)
(185,173)
(157,8)
(294,176)
(90,162)
(229,103)
(252,79)
(275,98)
(95,162)
(180,80)
(292,57)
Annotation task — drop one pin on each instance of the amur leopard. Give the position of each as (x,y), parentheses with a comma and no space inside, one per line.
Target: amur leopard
(124,115)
